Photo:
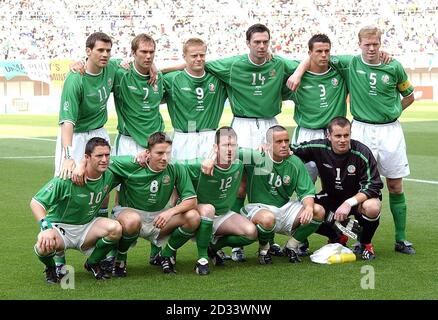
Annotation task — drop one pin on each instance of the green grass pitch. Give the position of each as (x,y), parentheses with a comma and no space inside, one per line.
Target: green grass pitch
(27,145)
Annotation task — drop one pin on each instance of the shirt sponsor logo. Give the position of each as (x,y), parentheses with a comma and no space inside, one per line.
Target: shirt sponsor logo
(351,169)
(49,188)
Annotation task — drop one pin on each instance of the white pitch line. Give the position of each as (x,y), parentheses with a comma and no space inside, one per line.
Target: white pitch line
(421,181)
(30,157)
(26,138)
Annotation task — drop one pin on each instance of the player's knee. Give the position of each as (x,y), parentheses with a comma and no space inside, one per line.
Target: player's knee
(192,219)
(395,185)
(266,220)
(131,223)
(371,208)
(114,229)
(250,231)
(318,212)
(206,210)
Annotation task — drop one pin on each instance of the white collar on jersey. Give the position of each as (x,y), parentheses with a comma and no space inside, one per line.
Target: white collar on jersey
(191,75)
(320,74)
(90,179)
(256,64)
(370,64)
(153,169)
(93,74)
(269,154)
(138,72)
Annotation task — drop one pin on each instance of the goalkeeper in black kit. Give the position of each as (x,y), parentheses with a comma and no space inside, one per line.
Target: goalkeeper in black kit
(350,181)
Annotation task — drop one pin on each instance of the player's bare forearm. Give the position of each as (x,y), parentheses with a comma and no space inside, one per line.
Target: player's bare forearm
(295,79)
(173,68)
(37,210)
(407,101)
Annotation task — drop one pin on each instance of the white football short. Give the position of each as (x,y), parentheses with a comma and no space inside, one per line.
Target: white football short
(284,216)
(251,132)
(387,144)
(192,145)
(79,142)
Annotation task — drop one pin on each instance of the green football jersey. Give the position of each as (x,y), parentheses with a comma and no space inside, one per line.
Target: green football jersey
(194,103)
(253,90)
(374,89)
(319,99)
(273,183)
(219,190)
(138,104)
(84,98)
(68,203)
(144,189)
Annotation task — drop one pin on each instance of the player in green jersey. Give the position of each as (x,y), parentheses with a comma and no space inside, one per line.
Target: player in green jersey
(137,102)
(376,105)
(254,86)
(68,214)
(83,110)
(320,97)
(144,194)
(216,193)
(195,99)
(272,179)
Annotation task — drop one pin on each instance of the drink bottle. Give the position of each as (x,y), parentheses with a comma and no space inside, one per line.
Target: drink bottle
(341,258)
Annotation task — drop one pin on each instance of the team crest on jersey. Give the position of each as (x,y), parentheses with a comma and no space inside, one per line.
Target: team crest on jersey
(351,169)
(105,189)
(211,87)
(236,175)
(155,88)
(286,180)
(110,82)
(166,179)
(385,78)
(272,73)
(335,82)
(66,106)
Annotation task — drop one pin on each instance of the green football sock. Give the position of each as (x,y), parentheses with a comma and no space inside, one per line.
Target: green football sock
(305,230)
(102,247)
(397,204)
(231,241)
(265,235)
(60,258)
(47,260)
(125,243)
(238,204)
(203,236)
(177,239)
(154,250)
